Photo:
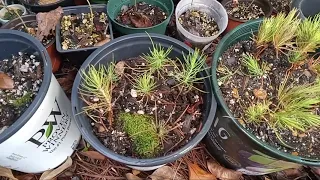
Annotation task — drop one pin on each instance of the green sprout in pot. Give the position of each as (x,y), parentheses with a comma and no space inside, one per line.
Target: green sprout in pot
(145,84)
(256,112)
(22,101)
(252,65)
(158,57)
(140,128)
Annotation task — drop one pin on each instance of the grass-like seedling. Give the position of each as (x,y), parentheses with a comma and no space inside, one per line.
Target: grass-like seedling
(308,34)
(192,66)
(296,106)
(22,101)
(141,129)
(314,65)
(98,82)
(145,84)
(256,112)
(251,63)
(158,56)
(285,30)
(266,32)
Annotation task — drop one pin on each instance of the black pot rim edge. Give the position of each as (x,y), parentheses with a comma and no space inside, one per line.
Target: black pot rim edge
(130,160)
(41,6)
(123,26)
(268,14)
(47,74)
(221,102)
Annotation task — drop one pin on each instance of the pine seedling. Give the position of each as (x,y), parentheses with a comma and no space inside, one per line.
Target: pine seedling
(256,112)
(266,32)
(285,30)
(308,35)
(22,101)
(140,128)
(251,63)
(145,84)
(297,56)
(314,65)
(158,56)
(99,83)
(193,64)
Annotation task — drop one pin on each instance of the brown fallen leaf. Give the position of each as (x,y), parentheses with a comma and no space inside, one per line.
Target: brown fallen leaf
(235,93)
(6,82)
(196,173)
(165,173)
(26,177)
(131,176)
(51,174)
(47,22)
(135,172)
(5,172)
(94,155)
(105,41)
(140,20)
(295,153)
(222,172)
(260,93)
(119,69)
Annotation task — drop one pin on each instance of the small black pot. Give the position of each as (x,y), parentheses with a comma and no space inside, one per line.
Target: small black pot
(78,56)
(132,46)
(306,8)
(48,7)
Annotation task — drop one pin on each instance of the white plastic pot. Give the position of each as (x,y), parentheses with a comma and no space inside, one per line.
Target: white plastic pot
(45,134)
(13,6)
(212,8)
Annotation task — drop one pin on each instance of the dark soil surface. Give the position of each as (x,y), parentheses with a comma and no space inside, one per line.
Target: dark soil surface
(141,15)
(281,5)
(199,23)
(244,10)
(237,90)
(77,30)
(26,73)
(180,111)
(32,28)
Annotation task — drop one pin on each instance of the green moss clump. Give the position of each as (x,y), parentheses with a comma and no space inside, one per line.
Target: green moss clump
(22,100)
(143,133)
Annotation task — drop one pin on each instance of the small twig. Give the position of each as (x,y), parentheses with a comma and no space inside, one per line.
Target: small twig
(179,118)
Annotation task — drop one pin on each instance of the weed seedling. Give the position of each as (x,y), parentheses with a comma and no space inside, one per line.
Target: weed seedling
(193,64)
(22,101)
(145,84)
(141,129)
(252,65)
(256,112)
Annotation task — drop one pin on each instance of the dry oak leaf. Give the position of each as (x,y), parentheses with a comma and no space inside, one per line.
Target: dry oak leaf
(52,174)
(222,172)
(260,93)
(5,172)
(135,172)
(47,22)
(103,42)
(196,173)
(93,155)
(165,173)
(131,176)
(6,82)
(235,93)
(119,68)
(140,20)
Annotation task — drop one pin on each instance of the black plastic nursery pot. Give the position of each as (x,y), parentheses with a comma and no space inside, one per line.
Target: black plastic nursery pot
(16,24)
(78,56)
(46,7)
(114,8)
(132,46)
(306,8)
(228,141)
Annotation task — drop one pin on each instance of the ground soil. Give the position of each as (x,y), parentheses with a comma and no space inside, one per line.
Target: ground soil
(26,72)
(141,15)
(244,10)
(238,88)
(32,28)
(77,31)
(199,23)
(281,5)
(181,110)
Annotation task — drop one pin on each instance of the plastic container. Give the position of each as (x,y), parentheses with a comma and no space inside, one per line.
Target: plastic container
(45,134)
(306,8)
(212,8)
(114,8)
(51,47)
(46,7)
(13,6)
(78,56)
(99,1)
(124,48)
(234,22)
(227,140)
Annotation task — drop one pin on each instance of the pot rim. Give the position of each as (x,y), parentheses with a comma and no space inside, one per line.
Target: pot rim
(19,6)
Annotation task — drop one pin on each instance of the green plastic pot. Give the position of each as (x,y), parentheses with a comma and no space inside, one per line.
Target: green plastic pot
(114,8)
(228,141)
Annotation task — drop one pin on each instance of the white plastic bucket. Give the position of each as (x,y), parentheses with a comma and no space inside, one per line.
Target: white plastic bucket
(45,134)
(212,8)
(13,6)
